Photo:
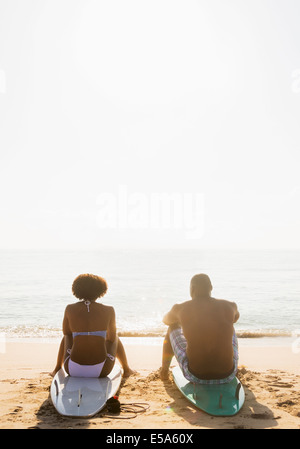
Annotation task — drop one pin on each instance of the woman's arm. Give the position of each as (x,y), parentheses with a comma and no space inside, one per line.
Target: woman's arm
(68,337)
(112,327)
(65,344)
(66,324)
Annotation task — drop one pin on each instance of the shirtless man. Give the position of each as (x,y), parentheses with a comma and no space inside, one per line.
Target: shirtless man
(201,336)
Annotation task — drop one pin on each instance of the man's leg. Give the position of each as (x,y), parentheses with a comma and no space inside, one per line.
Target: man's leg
(235,347)
(167,355)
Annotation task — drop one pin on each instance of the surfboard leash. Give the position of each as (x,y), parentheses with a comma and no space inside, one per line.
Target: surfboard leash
(114,406)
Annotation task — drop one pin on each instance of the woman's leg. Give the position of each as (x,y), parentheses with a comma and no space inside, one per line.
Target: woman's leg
(116,349)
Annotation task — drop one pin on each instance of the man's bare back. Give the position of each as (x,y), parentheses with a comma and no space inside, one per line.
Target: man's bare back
(208,328)
(207,325)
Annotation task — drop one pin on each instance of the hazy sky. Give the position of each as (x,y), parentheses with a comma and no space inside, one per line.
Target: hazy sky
(107,106)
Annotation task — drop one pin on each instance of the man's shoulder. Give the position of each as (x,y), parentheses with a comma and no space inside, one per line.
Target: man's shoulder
(192,303)
(225,303)
(184,307)
(184,304)
(179,307)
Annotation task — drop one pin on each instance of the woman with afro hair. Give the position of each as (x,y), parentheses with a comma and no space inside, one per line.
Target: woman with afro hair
(90,343)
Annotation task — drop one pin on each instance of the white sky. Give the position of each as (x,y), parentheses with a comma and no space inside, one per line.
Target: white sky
(187,97)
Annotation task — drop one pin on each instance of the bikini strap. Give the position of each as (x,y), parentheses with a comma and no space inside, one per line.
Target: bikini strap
(87,303)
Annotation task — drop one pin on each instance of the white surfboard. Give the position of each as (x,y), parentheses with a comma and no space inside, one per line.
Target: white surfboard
(83,396)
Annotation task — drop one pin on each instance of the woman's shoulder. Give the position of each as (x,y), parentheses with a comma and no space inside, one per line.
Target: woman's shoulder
(77,305)
(107,308)
(72,306)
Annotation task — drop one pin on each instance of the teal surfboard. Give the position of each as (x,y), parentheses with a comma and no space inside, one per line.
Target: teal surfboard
(217,400)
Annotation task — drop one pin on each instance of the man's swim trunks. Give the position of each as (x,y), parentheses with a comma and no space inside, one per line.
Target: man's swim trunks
(179,345)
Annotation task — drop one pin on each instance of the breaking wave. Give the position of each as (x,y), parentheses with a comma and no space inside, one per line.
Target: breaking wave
(16,332)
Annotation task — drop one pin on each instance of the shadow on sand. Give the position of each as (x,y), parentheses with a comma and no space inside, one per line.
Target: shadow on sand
(49,418)
(261,415)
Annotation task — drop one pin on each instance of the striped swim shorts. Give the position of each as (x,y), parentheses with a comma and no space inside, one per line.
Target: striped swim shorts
(179,345)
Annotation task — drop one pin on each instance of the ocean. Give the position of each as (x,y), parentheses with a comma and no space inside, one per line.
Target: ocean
(143,284)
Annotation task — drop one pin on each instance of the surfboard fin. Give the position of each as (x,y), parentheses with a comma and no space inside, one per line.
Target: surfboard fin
(220,400)
(79,398)
(56,387)
(194,392)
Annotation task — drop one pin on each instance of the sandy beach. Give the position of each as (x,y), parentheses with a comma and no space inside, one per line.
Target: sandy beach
(270,375)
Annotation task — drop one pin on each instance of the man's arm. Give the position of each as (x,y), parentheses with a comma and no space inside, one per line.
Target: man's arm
(236,312)
(172,317)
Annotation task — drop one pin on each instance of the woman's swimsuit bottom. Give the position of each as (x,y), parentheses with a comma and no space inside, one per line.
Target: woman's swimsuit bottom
(77,370)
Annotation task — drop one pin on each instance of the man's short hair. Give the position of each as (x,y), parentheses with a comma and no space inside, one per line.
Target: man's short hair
(201,283)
